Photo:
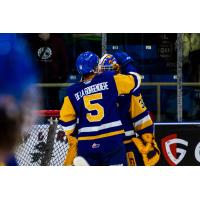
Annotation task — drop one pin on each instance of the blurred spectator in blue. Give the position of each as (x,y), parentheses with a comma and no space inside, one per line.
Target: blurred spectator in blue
(18,97)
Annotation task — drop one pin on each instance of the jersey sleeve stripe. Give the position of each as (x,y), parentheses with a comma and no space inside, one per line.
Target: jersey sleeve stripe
(140,116)
(142,121)
(67,128)
(149,129)
(62,123)
(143,125)
(137,79)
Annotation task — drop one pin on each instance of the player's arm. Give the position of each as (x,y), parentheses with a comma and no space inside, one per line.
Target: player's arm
(72,150)
(68,116)
(130,80)
(142,122)
(68,122)
(127,83)
(127,64)
(141,119)
(143,126)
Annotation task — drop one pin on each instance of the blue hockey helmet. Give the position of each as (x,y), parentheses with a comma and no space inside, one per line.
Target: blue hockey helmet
(108,63)
(87,62)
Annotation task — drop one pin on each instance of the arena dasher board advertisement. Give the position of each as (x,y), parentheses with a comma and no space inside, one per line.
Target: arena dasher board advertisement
(179,143)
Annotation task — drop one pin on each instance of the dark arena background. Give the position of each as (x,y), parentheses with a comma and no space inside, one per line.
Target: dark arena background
(170,69)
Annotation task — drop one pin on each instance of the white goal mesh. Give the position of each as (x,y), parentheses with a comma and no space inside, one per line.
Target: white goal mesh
(45,142)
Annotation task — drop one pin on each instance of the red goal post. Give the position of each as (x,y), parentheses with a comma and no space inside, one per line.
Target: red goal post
(47,113)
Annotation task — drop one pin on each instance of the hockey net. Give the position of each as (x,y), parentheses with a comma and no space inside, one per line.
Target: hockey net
(44,143)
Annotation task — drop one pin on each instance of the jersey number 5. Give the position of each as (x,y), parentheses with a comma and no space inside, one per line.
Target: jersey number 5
(93,107)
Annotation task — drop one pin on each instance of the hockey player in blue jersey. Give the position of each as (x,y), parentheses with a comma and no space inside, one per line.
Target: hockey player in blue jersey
(141,148)
(90,107)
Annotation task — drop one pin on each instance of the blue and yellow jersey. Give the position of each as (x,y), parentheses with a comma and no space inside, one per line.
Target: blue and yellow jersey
(134,116)
(91,107)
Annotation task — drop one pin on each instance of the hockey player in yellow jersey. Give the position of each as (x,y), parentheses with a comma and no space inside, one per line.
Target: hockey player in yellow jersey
(91,107)
(141,148)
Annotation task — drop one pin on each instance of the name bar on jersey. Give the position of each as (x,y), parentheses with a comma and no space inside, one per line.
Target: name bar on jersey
(91,89)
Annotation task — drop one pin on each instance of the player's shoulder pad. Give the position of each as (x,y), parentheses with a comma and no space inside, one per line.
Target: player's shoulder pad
(71,89)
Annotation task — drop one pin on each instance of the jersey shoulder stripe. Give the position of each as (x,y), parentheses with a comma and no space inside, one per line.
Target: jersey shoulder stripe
(65,124)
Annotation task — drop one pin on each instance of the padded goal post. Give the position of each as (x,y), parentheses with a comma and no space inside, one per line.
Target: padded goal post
(44,142)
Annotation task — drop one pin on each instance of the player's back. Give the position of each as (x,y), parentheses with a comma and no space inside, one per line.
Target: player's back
(95,103)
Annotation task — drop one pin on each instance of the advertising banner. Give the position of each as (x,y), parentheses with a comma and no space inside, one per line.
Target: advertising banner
(179,143)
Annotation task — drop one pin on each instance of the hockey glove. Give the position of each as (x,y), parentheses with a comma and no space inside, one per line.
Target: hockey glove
(148,148)
(126,62)
(122,58)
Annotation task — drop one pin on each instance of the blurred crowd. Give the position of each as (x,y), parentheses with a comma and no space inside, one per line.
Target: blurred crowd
(54,55)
